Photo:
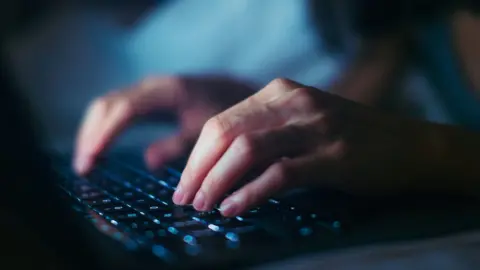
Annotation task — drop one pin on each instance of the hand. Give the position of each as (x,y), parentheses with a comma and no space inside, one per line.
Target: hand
(306,137)
(193,99)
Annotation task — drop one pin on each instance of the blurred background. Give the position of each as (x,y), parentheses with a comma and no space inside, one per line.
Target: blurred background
(66,53)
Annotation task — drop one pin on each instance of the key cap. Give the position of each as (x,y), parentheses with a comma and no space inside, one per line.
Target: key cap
(141,203)
(202,233)
(189,225)
(91,195)
(170,217)
(125,216)
(143,224)
(82,187)
(235,223)
(158,208)
(210,215)
(149,187)
(99,202)
(164,195)
(115,208)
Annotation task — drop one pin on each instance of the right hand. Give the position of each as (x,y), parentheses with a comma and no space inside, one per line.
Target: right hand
(193,99)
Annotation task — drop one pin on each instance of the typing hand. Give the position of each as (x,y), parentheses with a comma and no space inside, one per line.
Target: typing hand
(306,137)
(193,99)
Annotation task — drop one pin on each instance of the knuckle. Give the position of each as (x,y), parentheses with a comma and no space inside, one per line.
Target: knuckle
(124,104)
(174,81)
(149,82)
(217,127)
(251,102)
(100,105)
(153,82)
(303,98)
(321,124)
(105,102)
(338,150)
(281,83)
(124,107)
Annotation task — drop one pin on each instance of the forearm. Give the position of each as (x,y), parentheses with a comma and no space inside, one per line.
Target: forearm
(373,71)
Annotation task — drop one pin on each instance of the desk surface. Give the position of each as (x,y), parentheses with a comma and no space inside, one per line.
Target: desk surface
(459,252)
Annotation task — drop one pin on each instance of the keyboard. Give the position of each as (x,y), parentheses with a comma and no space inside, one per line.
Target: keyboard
(127,202)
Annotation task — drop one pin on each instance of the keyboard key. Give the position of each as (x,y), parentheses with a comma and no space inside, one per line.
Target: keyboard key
(183,212)
(235,223)
(140,203)
(189,225)
(155,208)
(166,178)
(90,195)
(202,232)
(149,187)
(172,242)
(142,224)
(172,180)
(99,202)
(210,215)
(127,195)
(81,188)
(149,234)
(170,217)
(265,210)
(148,205)
(164,195)
(116,208)
(126,216)
(116,189)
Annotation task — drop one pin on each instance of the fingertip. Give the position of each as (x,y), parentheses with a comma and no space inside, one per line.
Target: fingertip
(82,165)
(178,197)
(163,151)
(152,160)
(181,196)
(231,206)
(200,202)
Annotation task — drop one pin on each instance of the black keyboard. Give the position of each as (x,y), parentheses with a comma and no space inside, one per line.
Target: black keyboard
(134,206)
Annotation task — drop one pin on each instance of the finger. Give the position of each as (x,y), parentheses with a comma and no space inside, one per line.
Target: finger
(156,93)
(104,119)
(109,115)
(165,150)
(280,176)
(245,153)
(219,132)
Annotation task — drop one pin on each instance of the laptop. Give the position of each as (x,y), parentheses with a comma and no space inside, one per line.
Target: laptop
(122,214)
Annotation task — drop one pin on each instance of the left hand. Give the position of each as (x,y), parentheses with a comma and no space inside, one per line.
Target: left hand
(306,137)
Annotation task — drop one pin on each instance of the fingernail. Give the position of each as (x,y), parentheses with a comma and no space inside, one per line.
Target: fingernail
(199,201)
(179,196)
(230,207)
(81,165)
